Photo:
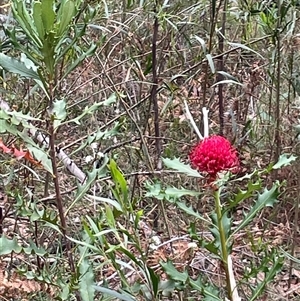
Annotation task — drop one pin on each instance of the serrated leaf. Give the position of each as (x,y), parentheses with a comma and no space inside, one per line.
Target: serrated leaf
(181,167)
(48,15)
(9,245)
(19,115)
(242,195)
(271,264)
(284,160)
(59,111)
(154,190)
(28,63)
(37,17)
(209,292)
(17,67)
(174,274)
(4,114)
(267,198)
(41,157)
(34,249)
(8,127)
(247,176)
(94,107)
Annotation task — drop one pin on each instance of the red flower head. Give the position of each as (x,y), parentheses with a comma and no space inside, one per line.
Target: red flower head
(214,154)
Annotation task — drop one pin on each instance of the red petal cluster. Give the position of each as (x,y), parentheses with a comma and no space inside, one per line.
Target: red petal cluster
(214,154)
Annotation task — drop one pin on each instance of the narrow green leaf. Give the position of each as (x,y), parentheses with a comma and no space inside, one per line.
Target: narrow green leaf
(238,45)
(37,17)
(154,281)
(86,280)
(104,232)
(110,217)
(26,21)
(226,81)
(211,63)
(202,43)
(119,180)
(174,192)
(111,202)
(114,294)
(48,52)
(82,189)
(181,167)
(289,256)
(271,264)
(84,244)
(131,256)
(80,59)
(190,211)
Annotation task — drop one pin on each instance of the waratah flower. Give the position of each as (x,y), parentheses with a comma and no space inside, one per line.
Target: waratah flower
(214,154)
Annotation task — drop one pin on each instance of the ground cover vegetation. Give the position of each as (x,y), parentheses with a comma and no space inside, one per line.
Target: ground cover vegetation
(148,150)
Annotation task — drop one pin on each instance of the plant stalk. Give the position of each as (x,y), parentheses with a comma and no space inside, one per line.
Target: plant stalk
(224,252)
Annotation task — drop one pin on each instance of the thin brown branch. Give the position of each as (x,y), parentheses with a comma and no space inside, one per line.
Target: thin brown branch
(153,94)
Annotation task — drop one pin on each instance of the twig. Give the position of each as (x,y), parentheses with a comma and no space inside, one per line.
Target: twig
(153,94)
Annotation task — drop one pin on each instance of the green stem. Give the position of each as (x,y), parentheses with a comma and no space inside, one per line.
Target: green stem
(224,252)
